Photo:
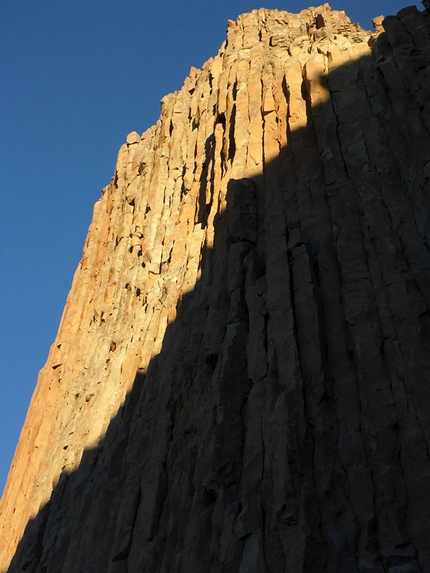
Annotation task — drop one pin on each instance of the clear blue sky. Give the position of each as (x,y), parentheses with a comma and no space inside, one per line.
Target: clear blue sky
(76,77)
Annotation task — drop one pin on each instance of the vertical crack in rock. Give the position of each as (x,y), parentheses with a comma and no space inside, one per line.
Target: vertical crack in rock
(240,380)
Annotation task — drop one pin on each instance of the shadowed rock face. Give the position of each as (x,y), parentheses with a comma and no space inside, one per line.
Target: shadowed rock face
(240,381)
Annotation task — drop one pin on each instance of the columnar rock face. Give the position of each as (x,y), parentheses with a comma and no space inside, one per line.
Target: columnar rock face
(240,381)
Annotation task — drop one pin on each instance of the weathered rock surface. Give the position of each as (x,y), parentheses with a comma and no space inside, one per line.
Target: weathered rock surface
(240,381)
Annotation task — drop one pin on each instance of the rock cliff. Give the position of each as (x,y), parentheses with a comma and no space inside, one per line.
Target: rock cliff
(240,381)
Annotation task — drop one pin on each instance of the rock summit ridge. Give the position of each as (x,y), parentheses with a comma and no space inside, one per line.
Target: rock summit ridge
(240,377)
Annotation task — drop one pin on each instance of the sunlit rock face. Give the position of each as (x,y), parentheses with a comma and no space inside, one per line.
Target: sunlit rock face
(240,381)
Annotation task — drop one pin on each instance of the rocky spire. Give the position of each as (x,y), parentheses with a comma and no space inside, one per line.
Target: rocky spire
(240,381)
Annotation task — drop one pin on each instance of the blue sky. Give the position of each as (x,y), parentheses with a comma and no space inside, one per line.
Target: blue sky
(76,77)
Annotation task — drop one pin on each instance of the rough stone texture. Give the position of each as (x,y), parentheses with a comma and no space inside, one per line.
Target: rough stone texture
(240,382)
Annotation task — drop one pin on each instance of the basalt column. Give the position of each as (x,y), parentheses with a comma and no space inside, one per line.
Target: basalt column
(240,380)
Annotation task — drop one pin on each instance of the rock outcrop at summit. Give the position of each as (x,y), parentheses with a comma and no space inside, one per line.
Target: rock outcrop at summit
(240,381)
